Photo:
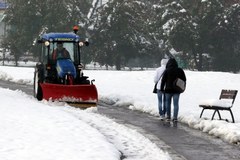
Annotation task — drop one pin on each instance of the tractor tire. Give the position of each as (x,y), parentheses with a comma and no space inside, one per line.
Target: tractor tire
(37,88)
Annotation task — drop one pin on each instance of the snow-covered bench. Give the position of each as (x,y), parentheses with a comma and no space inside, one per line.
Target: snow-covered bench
(225,102)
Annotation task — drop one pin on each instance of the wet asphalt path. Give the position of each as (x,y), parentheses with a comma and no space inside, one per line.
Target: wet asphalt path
(180,141)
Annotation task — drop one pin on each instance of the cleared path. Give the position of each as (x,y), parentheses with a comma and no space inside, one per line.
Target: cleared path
(180,141)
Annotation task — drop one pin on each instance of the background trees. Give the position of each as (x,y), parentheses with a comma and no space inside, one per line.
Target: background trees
(226,42)
(27,19)
(120,32)
(202,35)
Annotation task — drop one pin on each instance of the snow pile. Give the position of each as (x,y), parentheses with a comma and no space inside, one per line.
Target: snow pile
(217,102)
(32,130)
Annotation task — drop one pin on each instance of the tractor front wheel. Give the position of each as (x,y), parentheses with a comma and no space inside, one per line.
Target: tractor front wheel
(37,88)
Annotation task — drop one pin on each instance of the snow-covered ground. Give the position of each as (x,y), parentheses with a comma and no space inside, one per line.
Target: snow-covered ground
(50,131)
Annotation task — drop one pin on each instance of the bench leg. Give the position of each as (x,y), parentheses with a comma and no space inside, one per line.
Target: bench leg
(202,112)
(216,110)
(219,115)
(232,116)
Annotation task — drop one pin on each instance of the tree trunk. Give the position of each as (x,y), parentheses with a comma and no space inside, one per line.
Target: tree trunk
(200,68)
(118,63)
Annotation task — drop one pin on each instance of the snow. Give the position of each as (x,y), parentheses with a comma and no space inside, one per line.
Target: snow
(51,130)
(216,102)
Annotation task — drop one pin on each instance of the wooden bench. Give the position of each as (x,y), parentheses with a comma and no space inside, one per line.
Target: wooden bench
(225,102)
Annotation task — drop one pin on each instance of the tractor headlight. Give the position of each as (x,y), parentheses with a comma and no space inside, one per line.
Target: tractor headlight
(81,44)
(46,43)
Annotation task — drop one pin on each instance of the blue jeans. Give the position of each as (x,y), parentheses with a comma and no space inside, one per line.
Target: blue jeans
(168,99)
(161,104)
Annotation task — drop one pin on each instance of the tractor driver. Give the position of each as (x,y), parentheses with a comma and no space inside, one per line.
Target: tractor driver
(60,52)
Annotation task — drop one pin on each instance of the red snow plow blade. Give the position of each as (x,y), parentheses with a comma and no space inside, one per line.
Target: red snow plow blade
(77,95)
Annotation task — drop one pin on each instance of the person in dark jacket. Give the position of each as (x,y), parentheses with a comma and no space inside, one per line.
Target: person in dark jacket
(172,72)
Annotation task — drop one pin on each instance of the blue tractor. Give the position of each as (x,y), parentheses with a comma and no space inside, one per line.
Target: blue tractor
(59,75)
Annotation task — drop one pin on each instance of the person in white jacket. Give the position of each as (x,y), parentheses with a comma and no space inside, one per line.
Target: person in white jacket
(157,79)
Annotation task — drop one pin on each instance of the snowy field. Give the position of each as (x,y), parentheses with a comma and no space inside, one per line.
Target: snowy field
(50,131)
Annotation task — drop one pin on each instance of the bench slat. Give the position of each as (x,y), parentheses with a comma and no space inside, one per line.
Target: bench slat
(228,94)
